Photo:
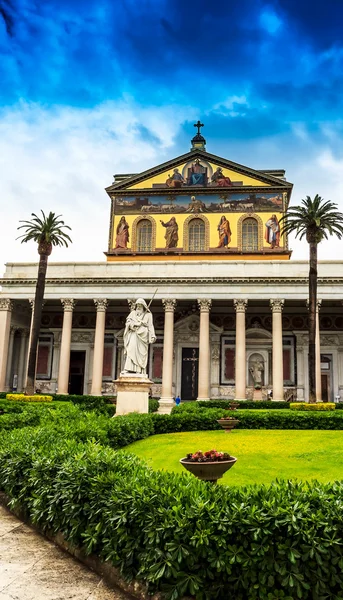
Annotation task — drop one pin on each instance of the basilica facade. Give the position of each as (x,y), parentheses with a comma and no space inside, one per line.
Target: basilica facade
(199,237)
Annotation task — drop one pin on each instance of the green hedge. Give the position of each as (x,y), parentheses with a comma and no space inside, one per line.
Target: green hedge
(179,535)
(244,404)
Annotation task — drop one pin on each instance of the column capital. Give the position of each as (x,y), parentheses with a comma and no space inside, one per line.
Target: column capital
(23,332)
(276,305)
(319,303)
(169,304)
(68,304)
(101,304)
(6,304)
(240,305)
(204,304)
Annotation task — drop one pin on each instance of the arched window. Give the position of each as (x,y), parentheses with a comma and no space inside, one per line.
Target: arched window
(196,235)
(144,236)
(250,235)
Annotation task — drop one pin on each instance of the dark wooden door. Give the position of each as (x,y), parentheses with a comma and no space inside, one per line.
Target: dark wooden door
(190,370)
(325,387)
(76,372)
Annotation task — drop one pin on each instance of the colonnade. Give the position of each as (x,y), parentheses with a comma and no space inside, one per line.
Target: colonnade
(7,338)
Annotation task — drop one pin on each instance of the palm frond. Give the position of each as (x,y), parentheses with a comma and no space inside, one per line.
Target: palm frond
(49,229)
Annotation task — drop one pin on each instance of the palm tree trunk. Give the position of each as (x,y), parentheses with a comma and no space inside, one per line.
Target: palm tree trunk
(37,317)
(312,322)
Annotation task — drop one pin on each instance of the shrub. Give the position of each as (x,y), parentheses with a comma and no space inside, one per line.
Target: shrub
(3,395)
(24,398)
(181,536)
(16,420)
(311,407)
(243,404)
(153,405)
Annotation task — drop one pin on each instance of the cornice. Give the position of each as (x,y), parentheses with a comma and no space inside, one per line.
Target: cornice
(283,281)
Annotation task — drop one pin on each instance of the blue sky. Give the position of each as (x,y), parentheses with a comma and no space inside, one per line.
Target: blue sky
(93,88)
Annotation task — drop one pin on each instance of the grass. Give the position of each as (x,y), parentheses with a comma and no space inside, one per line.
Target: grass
(263,455)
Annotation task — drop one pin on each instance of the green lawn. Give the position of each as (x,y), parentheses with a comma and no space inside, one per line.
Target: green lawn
(262,455)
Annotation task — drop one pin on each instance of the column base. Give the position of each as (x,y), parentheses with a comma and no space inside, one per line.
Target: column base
(278,400)
(165,406)
(132,393)
(203,399)
(239,400)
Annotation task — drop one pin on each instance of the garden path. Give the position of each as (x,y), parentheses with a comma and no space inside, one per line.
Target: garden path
(32,568)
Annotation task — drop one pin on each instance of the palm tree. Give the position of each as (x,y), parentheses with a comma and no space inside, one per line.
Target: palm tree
(47,232)
(316,219)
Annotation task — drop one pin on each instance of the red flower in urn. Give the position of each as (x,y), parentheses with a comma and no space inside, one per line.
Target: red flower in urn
(209,456)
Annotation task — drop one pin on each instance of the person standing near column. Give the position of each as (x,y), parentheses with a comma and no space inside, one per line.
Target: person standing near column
(204,350)
(240,355)
(277,306)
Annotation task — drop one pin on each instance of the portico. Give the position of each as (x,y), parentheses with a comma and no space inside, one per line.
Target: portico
(222,324)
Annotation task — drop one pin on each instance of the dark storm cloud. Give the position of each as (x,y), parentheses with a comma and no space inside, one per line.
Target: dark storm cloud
(285,57)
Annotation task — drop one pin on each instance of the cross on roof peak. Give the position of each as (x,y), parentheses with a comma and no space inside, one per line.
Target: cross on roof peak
(198,125)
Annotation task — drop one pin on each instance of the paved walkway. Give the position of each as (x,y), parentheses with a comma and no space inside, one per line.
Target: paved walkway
(32,568)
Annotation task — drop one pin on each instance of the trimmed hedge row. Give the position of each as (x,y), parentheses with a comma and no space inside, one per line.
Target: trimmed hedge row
(179,535)
(312,407)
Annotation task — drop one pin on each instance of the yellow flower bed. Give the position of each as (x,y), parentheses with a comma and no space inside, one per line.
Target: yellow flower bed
(23,398)
(317,406)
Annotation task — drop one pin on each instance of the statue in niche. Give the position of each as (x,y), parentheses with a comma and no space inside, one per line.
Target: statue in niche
(138,334)
(257,370)
(219,179)
(176,180)
(224,232)
(122,234)
(171,236)
(197,174)
(272,233)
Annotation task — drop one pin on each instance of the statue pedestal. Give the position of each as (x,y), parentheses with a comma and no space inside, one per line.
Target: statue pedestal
(257,395)
(132,393)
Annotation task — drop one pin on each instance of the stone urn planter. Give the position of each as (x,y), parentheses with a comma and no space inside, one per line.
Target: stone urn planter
(234,405)
(228,423)
(208,466)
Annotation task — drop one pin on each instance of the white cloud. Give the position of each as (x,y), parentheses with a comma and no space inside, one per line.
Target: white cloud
(61,159)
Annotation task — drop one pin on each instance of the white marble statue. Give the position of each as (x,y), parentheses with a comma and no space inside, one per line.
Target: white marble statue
(138,334)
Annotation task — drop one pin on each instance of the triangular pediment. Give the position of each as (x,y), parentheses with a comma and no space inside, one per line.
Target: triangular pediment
(198,169)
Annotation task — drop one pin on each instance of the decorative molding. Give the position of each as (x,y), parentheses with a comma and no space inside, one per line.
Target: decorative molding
(32,303)
(101,304)
(186,231)
(259,231)
(204,304)
(82,337)
(240,305)
(134,232)
(68,304)
(6,304)
(215,352)
(169,304)
(276,305)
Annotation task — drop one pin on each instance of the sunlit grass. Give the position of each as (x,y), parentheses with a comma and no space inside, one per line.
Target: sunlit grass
(263,455)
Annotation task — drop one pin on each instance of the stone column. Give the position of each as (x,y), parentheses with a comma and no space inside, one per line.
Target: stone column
(318,368)
(166,400)
(204,350)
(6,307)
(240,354)
(9,379)
(98,356)
(63,372)
(22,358)
(277,306)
